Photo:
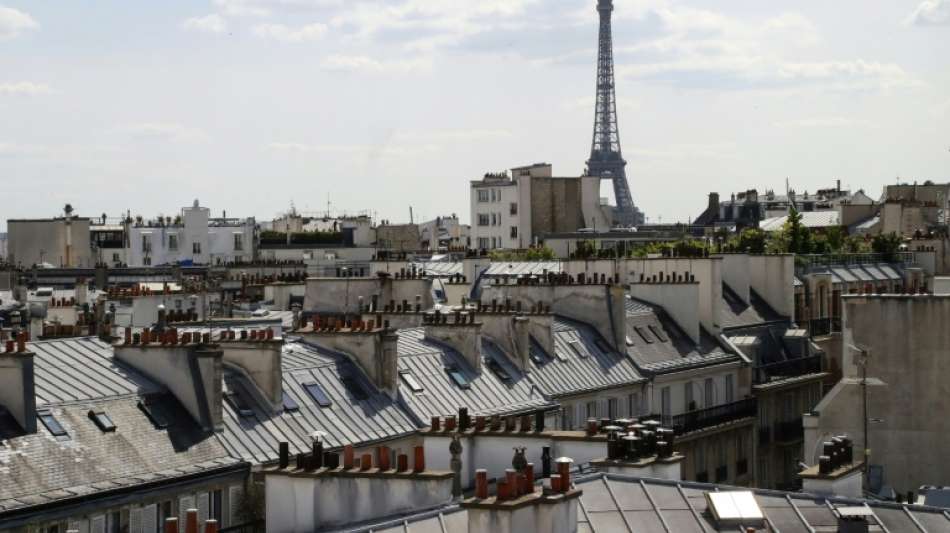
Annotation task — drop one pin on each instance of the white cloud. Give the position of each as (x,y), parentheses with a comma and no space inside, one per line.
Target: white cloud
(825,122)
(930,13)
(361,63)
(24,88)
(265,8)
(164,132)
(212,23)
(20,150)
(288,34)
(13,22)
(394,150)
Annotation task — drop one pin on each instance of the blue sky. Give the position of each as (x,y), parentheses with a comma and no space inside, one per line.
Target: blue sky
(250,105)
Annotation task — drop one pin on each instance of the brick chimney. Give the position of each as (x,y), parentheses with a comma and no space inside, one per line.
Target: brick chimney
(191,371)
(372,348)
(837,472)
(17,388)
(457,331)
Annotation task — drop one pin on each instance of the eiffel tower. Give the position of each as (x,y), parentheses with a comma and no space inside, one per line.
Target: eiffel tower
(606,160)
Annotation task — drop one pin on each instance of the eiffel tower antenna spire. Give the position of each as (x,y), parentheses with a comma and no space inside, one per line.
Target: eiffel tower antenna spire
(606,160)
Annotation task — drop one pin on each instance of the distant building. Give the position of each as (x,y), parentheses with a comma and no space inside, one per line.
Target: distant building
(192,238)
(398,238)
(3,246)
(59,242)
(445,233)
(514,212)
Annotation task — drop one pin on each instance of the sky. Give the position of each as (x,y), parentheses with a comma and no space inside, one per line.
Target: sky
(252,106)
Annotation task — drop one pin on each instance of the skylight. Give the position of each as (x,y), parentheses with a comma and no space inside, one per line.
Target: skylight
(154,414)
(579,348)
(732,508)
(659,333)
(316,392)
(458,377)
(498,370)
(102,421)
(410,381)
(643,334)
(239,404)
(53,425)
(290,405)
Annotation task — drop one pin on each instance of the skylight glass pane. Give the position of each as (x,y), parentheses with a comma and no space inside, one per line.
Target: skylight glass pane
(53,425)
(458,378)
(659,334)
(354,387)
(410,381)
(290,405)
(579,348)
(239,404)
(316,392)
(102,420)
(643,334)
(498,370)
(154,414)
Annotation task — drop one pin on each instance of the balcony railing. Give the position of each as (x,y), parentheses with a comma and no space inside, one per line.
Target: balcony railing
(712,416)
(785,369)
(790,431)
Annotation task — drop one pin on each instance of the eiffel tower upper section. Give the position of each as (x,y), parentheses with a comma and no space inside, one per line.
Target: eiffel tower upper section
(606,159)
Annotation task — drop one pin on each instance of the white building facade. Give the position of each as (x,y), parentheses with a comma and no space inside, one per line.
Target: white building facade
(195,238)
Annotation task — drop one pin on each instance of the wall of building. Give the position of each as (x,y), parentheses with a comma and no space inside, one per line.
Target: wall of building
(492,219)
(772,277)
(907,338)
(54,241)
(556,206)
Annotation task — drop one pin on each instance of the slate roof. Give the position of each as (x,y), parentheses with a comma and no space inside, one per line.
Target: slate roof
(736,313)
(810,219)
(657,344)
(347,420)
(522,268)
(592,366)
(72,377)
(613,502)
(426,361)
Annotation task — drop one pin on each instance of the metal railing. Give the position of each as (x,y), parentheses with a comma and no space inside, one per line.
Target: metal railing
(711,416)
(786,369)
(907,258)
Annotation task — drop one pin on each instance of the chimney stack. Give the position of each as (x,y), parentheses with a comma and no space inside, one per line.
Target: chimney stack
(18,393)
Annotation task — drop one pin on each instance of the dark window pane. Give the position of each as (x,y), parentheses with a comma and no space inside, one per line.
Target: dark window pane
(102,420)
(458,377)
(290,404)
(154,413)
(643,334)
(316,392)
(51,423)
(498,370)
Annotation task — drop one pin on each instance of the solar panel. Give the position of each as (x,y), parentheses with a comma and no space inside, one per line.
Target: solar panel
(316,392)
(102,421)
(410,381)
(458,378)
(53,425)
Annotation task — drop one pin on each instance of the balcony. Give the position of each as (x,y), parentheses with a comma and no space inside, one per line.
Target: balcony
(712,416)
(787,369)
(789,432)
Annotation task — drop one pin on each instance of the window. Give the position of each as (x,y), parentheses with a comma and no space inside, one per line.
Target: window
(147,261)
(567,417)
(410,381)
(115,258)
(53,425)
(146,243)
(290,405)
(482,195)
(493,195)
(238,242)
(633,404)
(483,243)
(216,509)
(591,409)
(700,457)
(238,403)
(316,392)
(513,209)
(173,242)
(612,404)
(494,219)
(659,334)
(643,334)
(494,242)
(688,396)
(665,402)
(355,389)
(458,377)
(154,413)
(730,392)
(709,393)
(483,219)
(196,248)
(102,421)
(499,371)
(514,232)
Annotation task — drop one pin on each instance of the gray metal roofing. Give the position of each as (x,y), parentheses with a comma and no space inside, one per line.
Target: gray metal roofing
(427,361)
(439,268)
(675,350)
(347,420)
(864,273)
(569,372)
(736,313)
(83,368)
(612,502)
(39,468)
(522,268)
(810,219)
